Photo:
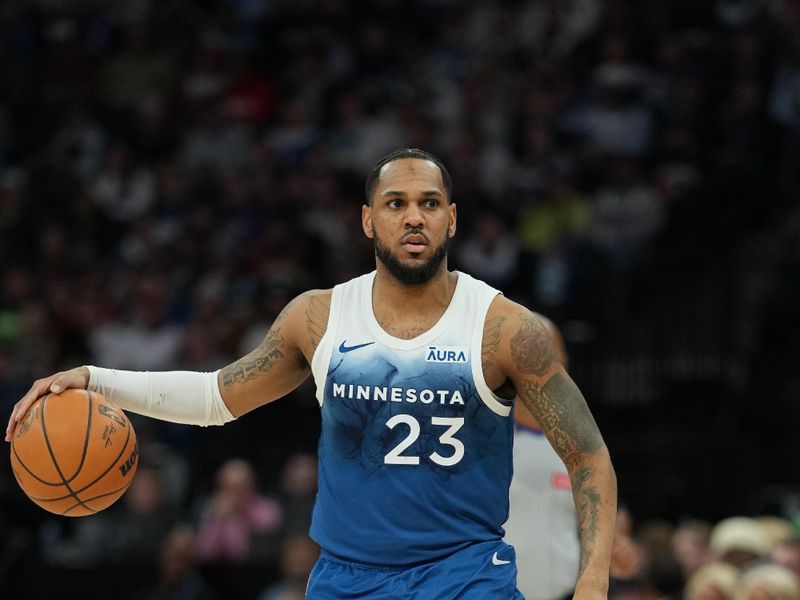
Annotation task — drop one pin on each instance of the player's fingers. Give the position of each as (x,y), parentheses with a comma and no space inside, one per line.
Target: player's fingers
(11,423)
(74,378)
(39,388)
(60,383)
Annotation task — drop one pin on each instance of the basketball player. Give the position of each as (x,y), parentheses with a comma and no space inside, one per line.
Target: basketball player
(416,369)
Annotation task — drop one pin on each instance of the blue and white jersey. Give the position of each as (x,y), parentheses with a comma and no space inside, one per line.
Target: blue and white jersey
(415,454)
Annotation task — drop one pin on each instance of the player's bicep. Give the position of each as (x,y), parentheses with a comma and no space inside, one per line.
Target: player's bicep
(273,369)
(548,391)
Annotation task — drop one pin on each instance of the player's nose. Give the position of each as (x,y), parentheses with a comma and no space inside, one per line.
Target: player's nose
(413,216)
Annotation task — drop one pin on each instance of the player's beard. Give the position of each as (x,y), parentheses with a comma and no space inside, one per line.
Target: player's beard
(409,275)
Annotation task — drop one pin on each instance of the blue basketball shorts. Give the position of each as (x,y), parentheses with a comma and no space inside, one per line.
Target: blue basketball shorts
(482,571)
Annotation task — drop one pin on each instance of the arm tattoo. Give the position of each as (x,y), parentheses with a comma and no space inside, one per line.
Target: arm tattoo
(587,504)
(561,410)
(317,313)
(260,360)
(531,347)
(491,340)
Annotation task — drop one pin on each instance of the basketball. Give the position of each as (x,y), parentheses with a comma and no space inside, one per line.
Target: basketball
(74,453)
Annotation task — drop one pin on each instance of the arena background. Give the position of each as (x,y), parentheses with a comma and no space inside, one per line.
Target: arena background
(173,172)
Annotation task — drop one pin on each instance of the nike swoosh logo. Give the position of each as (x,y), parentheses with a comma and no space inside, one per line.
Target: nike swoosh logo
(343,348)
(499,561)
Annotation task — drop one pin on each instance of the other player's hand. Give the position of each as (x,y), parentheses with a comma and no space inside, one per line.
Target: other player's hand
(56,383)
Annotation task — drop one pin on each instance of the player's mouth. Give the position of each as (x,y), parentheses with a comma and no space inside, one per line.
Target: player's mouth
(414,243)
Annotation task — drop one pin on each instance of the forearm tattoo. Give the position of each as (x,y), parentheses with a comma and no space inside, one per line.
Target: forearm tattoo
(587,508)
(531,347)
(260,360)
(562,412)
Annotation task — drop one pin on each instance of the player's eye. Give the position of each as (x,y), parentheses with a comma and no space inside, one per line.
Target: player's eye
(394,203)
(432,203)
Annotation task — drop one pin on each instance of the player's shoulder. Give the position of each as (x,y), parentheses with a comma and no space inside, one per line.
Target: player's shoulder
(310,312)
(503,307)
(511,318)
(322,296)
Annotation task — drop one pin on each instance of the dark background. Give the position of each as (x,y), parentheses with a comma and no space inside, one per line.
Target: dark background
(173,172)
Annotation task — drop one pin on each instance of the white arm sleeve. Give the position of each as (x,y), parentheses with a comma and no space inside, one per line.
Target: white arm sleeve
(178,396)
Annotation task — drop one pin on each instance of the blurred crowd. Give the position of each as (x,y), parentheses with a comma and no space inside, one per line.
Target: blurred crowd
(173,172)
(738,558)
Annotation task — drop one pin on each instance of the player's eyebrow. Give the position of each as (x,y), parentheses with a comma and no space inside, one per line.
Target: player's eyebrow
(398,193)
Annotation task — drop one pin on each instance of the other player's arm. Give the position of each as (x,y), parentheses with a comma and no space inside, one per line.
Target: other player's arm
(529,360)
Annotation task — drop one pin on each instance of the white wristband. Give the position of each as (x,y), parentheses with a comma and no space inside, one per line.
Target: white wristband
(186,397)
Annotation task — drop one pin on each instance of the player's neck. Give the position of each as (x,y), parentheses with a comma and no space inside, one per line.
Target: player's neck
(393,301)
(439,289)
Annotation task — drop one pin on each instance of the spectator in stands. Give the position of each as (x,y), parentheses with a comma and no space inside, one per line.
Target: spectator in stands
(768,582)
(690,546)
(236,519)
(714,581)
(787,554)
(738,541)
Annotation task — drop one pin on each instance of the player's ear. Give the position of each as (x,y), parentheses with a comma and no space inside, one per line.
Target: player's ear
(366,220)
(451,227)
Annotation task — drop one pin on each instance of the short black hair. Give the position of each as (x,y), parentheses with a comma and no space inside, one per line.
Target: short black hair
(372,178)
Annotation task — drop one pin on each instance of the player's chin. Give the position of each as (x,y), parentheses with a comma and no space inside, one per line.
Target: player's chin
(413,255)
(414,261)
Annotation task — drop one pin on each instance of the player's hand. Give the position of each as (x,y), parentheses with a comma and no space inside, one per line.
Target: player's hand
(56,383)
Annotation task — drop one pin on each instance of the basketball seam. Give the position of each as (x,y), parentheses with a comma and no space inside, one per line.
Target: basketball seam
(113,462)
(85,500)
(31,473)
(86,439)
(122,489)
(53,456)
(98,478)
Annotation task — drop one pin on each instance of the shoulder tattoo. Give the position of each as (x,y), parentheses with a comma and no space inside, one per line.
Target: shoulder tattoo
(491,340)
(531,347)
(317,313)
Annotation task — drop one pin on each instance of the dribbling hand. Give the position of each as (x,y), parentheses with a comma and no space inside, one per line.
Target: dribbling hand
(56,383)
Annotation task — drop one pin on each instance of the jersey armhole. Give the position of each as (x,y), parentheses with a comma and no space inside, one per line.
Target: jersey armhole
(322,354)
(490,399)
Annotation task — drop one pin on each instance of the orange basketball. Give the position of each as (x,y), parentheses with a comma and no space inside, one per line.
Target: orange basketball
(74,453)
